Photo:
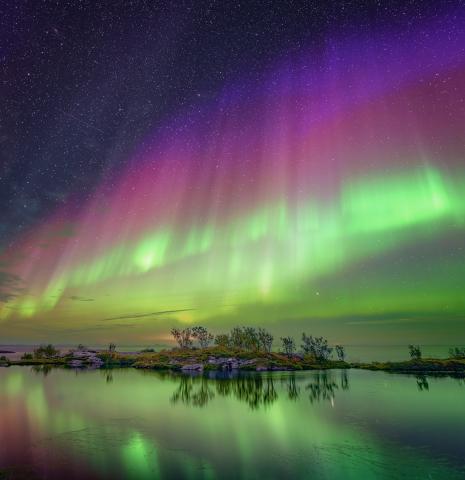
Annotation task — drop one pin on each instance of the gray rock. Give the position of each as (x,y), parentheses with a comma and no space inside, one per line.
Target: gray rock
(76,364)
(192,367)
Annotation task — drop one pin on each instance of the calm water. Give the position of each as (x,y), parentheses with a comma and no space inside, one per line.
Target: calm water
(137,425)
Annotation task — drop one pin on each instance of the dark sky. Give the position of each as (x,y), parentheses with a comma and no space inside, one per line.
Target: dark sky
(83,82)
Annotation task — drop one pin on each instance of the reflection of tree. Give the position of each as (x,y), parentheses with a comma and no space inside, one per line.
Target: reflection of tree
(41,369)
(293,390)
(422,382)
(422,379)
(321,388)
(344,380)
(187,394)
(255,390)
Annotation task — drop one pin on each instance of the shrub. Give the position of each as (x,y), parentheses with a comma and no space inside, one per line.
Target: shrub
(265,340)
(415,352)
(182,337)
(340,352)
(288,346)
(457,352)
(26,356)
(203,336)
(46,351)
(222,340)
(316,346)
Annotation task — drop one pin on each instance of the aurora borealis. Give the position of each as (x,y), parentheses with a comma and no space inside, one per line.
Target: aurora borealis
(325,191)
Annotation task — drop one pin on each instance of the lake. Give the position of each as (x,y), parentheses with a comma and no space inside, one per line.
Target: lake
(125,423)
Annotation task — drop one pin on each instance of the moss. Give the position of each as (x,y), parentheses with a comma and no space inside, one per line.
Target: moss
(39,361)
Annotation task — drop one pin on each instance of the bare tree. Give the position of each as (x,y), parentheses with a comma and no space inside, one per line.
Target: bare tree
(182,337)
(316,346)
(415,352)
(251,338)
(288,346)
(237,338)
(265,340)
(203,336)
(222,340)
(340,352)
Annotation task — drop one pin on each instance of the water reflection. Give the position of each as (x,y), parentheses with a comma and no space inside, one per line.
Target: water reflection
(131,424)
(422,382)
(42,369)
(257,390)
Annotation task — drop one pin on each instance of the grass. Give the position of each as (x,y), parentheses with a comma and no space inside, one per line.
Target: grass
(175,359)
(424,365)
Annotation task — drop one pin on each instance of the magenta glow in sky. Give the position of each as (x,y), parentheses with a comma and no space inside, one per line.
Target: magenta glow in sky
(327,192)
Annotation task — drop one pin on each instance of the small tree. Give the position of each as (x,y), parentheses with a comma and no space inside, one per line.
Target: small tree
(265,340)
(46,351)
(182,337)
(340,352)
(112,347)
(316,346)
(222,340)
(457,352)
(415,352)
(237,338)
(81,347)
(288,346)
(251,341)
(203,336)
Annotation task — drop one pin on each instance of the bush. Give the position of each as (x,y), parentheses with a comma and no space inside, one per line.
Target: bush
(203,336)
(415,352)
(46,351)
(316,346)
(222,340)
(457,352)
(26,356)
(340,352)
(288,346)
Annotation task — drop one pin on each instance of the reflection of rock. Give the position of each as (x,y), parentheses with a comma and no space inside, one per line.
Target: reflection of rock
(76,363)
(195,367)
(231,363)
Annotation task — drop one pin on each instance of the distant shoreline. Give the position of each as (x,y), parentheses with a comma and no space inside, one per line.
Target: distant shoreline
(221,359)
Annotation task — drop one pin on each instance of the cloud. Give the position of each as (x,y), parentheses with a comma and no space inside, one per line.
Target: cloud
(377,321)
(81,299)
(10,286)
(142,315)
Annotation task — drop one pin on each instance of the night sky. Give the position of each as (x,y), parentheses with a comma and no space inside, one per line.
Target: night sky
(294,165)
